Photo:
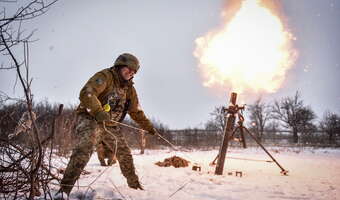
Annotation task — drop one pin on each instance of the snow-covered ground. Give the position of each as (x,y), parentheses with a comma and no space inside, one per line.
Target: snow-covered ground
(313,174)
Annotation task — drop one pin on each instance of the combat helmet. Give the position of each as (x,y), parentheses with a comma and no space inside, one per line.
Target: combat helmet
(127,59)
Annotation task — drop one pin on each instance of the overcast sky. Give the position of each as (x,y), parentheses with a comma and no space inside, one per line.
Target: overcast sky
(80,37)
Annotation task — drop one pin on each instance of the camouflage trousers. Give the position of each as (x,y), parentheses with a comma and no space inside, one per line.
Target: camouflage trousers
(106,149)
(90,133)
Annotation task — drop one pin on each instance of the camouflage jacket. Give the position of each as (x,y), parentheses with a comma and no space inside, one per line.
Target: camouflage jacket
(105,87)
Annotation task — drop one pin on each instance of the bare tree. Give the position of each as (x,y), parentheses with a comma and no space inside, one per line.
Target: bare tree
(306,126)
(306,116)
(14,51)
(293,114)
(259,114)
(218,120)
(330,124)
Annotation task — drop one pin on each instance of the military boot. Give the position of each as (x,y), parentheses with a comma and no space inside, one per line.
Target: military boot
(134,183)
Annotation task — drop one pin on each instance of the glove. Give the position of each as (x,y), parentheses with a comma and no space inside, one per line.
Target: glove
(102,116)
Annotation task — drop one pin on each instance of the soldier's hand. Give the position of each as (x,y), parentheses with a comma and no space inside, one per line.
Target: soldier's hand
(102,116)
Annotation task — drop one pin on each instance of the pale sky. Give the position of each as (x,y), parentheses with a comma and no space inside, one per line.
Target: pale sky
(80,37)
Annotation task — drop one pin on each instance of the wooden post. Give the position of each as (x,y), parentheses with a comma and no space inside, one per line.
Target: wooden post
(57,127)
(142,142)
(228,129)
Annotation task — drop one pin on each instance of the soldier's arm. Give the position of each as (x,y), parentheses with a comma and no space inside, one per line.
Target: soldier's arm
(137,114)
(90,92)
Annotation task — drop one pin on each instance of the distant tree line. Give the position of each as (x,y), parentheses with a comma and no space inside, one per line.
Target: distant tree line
(288,116)
(287,120)
(64,138)
(65,124)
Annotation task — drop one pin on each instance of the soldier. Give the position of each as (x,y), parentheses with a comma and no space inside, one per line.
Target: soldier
(112,89)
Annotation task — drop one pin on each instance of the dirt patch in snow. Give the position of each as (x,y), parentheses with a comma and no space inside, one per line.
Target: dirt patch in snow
(173,161)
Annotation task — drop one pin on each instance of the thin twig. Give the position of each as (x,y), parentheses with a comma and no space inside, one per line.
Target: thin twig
(180,188)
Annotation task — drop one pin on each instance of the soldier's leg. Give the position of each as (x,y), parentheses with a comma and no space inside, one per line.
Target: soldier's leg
(81,154)
(110,149)
(101,153)
(125,160)
(111,156)
(112,159)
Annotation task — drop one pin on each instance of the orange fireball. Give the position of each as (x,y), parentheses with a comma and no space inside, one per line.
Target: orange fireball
(252,51)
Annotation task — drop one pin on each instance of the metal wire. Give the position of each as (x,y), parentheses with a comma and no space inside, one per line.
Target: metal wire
(158,135)
(180,188)
(115,138)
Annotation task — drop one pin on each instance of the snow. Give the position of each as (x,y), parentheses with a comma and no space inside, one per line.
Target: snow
(313,174)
